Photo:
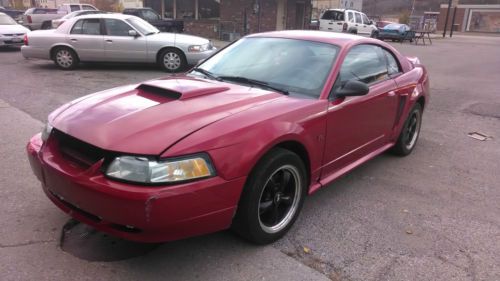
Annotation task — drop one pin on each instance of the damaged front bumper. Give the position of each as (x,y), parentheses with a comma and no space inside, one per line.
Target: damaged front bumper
(133,212)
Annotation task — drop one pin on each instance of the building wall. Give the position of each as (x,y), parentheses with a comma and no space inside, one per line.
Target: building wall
(131,3)
(467,18)
(459,19)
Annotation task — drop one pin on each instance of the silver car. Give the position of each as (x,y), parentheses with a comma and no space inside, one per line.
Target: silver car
(115,38)
(11,33)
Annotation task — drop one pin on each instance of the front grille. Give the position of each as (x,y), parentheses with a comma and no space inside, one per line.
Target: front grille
(14,34)
(77,151)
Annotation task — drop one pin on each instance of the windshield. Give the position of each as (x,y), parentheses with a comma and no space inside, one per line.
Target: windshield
(143,26)
(6,20)
(294,66)
(393,26)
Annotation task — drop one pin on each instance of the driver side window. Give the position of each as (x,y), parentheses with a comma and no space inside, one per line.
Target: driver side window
(365,63)
(116,27)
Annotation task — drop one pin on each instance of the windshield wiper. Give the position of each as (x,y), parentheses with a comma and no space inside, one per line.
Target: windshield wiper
(152,32)
(207,73)
(261,84)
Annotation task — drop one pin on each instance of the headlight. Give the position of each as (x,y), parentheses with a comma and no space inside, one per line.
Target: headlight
(198,48)
(144,170)
(46,132)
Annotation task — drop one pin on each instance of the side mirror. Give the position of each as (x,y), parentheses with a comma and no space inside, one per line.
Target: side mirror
(352,88)
(132,33)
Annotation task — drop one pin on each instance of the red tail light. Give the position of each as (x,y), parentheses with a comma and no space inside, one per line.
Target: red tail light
(344,27)
(26,39)
(29,19)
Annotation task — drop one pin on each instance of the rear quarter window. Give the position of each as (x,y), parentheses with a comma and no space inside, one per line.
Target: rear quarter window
(333,15)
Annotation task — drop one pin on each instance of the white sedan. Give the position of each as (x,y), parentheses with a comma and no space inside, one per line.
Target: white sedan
(11,33)
(115,38)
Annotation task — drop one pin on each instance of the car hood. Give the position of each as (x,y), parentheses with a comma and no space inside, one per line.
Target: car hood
(150,117)
(177,38)
(12,28)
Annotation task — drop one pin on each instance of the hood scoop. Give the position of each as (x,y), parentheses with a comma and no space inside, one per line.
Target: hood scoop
(180,89)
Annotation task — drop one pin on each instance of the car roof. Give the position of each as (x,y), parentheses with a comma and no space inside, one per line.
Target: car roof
(107,16)
(340,39)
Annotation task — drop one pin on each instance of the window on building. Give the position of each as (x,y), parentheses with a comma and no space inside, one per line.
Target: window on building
(169,9)
(185,9)
(208,9)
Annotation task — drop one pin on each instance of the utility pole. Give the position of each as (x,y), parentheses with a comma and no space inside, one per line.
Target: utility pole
(455,5)
(447,16)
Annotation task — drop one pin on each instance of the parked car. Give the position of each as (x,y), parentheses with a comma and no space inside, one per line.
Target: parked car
(382,24)
(57,22)
(149,15)
(395,32)
(314,24)
(11,33)
(68,8)
(39,18)
(239,141)
(115,38)
(15,14)
(350,21)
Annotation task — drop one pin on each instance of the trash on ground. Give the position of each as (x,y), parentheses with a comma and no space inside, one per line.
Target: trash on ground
(479,136)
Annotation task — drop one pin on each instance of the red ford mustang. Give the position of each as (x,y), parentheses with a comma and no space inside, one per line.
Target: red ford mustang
(238,142)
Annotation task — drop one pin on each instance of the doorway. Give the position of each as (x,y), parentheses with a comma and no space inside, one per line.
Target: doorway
(300,9)
(281,15)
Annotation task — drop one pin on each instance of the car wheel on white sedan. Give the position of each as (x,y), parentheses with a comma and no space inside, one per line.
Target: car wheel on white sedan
(272,197)
(172,60)
(65,58)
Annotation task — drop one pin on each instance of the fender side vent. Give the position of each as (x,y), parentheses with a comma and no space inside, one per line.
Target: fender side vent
(159,91)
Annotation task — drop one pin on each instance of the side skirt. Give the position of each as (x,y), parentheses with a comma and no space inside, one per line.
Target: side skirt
(325,181)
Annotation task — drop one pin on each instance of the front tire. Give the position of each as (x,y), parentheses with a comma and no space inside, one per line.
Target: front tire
(374,34)
(272,197)
(172,60)
(65,58)
(410,132)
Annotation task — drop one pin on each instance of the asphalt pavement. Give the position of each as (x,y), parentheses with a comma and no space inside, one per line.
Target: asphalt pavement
(433,215)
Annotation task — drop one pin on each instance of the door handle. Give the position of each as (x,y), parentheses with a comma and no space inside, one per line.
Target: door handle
(109,40)
(73,40)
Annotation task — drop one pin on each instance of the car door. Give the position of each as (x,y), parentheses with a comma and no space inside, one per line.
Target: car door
(358,22)
(366,25)
(87,40)
(359,125)
(119,46)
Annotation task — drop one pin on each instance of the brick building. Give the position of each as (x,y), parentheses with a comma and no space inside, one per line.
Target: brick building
(472,18)
(230,19)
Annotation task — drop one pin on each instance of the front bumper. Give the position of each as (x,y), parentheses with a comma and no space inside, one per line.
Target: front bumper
(11,41)
(194,58)
(139,213)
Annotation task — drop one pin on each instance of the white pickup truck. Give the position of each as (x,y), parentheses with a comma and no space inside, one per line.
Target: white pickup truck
(41,18)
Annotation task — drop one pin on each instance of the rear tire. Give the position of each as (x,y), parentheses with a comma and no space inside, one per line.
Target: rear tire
(410,132)
(172,60)
(65,58)
(374,34)
(272,197)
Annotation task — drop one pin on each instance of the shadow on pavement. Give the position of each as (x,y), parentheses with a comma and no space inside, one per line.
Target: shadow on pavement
(9,49)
